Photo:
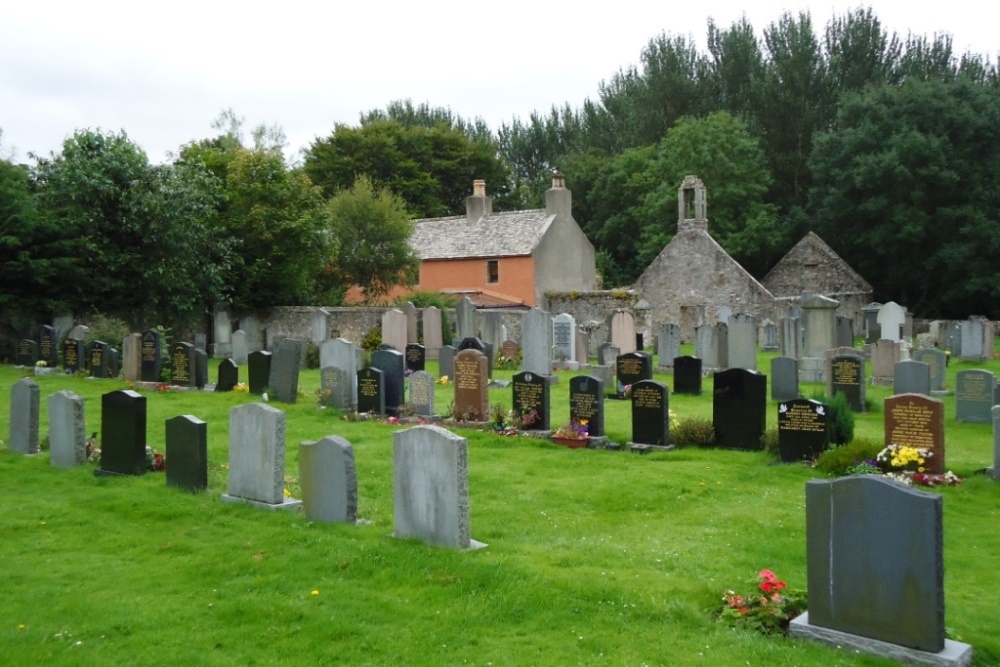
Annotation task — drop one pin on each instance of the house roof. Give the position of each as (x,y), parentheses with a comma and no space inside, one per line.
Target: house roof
(495,235)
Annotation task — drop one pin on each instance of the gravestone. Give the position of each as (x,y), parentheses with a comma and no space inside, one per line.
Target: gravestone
(25,397)
(621,327)
(845,332)
(446,361)
(182,364)
(802,434)
(791,337)
(240,351)
(632,367)
(67,430)
(371,391)
(471,386)
(474,343)
(885,355)
(229,375)
(738,408)
(767,336)
(974,394)
(582,348)
(412,328)
(607,354)
(847,377)
(706,346)
(73,355)
(586,404)
(492,328)
(536,342)
(606,375)
(917,421)
(342,354)
(870,327)
(48,346)
(258,371)
(200,341)
(132,357)
(222,330)
(742,342)
(114,362)
(820,319)
(891,318)
(973,334)
(390,362)
(936,361)
(284,376)
(687,375)
(394,329)
(650,414)
(875,571)
(994,471)
(911,377)
(200,368)
(668,344)
(421,394)
(531,397)
(416,357)
(319,329)
(257,457)
(784,379)
(150,363)
(564,337)
(510,349)
(465,316)
(26,353)
(722,345)
(329,480)
(431,318)
(430,482)
(123,433)
(99,363)
(187,453)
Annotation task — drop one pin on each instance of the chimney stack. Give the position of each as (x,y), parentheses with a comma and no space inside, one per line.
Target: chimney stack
(558,200)
(478,204)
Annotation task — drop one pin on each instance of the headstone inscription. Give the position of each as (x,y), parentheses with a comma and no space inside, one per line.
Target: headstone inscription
(430,481)
(257,457)
(26,353)
(371,391)
(333,387)
(150,363)
(586,404)
(67,434)
(784,379)
(229,375)
(974,394)
(650,414)
(471,386)
(633,367)
(258,371)
(390,362)
(73,355)
(802,434)
(187,452)
(481,345)
(421,394)
(98,362)
(284,376)
(564,337)
(123,433)
(48,346)
(182,364)
(531,400)
(847,377)
(687,375)
(329,480)
(415,357)
(739,408)
(917,421)
(25,397)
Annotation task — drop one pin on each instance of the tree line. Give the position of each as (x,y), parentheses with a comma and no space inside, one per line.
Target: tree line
(883,145)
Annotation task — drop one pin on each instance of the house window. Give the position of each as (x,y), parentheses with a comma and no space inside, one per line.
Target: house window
(492,271)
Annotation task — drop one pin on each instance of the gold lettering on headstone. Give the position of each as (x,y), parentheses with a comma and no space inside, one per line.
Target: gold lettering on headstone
(630,366)
(647,397)
(912,425)
(845,372)
(368,387)
(467,374)
(973,387)
(801,418)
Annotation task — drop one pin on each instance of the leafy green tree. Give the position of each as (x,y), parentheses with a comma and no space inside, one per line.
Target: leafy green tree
(370,229)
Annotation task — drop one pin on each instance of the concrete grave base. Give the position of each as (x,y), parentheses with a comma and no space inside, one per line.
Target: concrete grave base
(474,545)
(286,504)
(641,448)
(955,654)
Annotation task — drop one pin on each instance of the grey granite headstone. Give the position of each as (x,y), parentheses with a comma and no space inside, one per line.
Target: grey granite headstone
(784,379)
(492,328)
(257,457)
(706,346)
(722,345)
(446,361)
(329,480)
(536,342)
(936,360)
(123,433)
(431,318)
(284,376)
(344,355)
(742,342)
(394,329)
(791,337)
(67,430)
(320,325)
(911,377)
(767,336)
(995,469)
(132,357)
(412,328)
(334,387)
(229,375)
(973,335)
(25,397)
(564,337)
(421,395)
(240,351)
(201,342)
(607,354)
(845,332)
(431,487)
(465,314)
(668,344)
(187,453)
(974,395)
(885,355)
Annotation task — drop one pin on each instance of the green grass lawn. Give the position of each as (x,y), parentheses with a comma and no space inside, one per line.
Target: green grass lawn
(594,557)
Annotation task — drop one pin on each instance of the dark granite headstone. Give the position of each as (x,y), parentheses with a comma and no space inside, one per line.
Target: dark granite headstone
(802,434)
(446,361)
(784,379)
(390,362)
(73,355)
(371,391)
(874,551)
(123,433)
(97,359)
(416,357)
(258,371)
(687,375)
(48,346)
(586,403)
(150,363)
(182,370)
(633,367)
(27,353)
(200,368)
(284,377)
(187,452)
(640,344)
(531,394)
(847,377)
(650,413)
(229,375)
(974,396)
(739,408)
(114,362)
(917,421)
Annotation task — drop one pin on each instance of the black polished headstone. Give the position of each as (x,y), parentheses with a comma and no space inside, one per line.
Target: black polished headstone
(633,367)
(27,353)
(650,413)
(416,357)
(229,375)
(187,453)
(390,363)
(531,392)
(123,433)
(687,375)
(114,362)
(73,355)
(182,372)
(371,391)
(586,403)
(847,378)
(739,408)
(284,376)
(48,346)
(150,362)
(802,430)
(258,371)
(97,359)
(200,368)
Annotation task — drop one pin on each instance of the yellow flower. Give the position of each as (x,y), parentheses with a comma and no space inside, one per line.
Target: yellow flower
(315,592)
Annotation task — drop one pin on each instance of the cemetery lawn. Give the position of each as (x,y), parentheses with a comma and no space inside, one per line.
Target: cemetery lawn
(594,557)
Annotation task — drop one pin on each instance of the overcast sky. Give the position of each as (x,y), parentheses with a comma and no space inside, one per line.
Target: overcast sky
(163,71)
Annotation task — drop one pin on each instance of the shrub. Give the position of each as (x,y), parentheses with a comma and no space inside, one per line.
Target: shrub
(838,460)
(770,442)
(372,339)
(840,420)
(107,329)
(693,432)
(312,355)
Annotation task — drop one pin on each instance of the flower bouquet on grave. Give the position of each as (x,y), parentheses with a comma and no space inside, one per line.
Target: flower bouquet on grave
(769,608)
(573,434)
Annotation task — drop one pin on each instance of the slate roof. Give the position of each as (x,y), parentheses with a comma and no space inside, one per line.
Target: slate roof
(507,234)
